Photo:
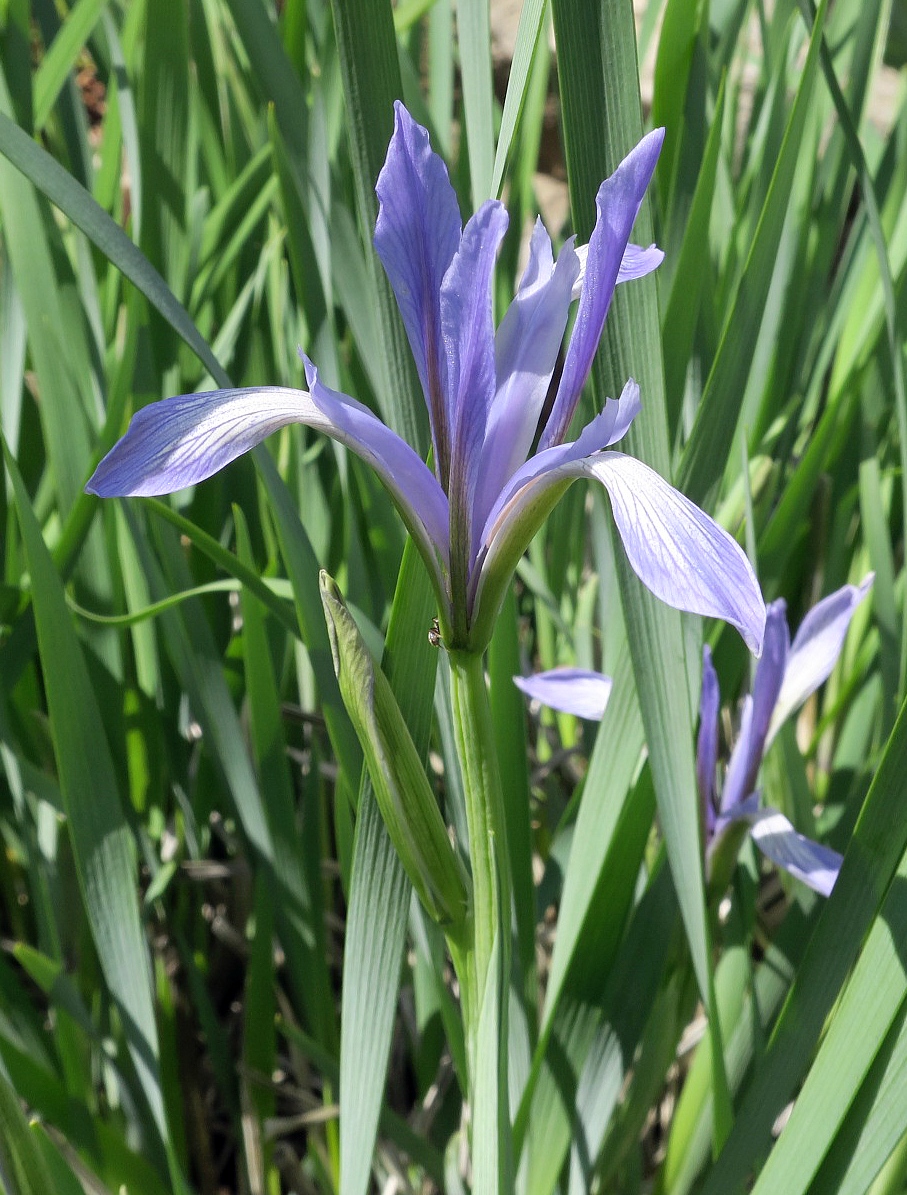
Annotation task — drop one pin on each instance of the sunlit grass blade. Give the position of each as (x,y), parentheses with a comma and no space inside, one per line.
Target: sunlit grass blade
(474,39)
(710,441)
(868,1007)
(531,26)
(61,189)
(371,83)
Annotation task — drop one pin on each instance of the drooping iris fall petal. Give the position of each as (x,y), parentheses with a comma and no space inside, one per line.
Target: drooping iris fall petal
(570,690)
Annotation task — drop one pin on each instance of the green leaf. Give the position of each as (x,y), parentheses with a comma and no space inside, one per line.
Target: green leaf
(22,1162)
(61,189)
(602,122)
(56,64)
(709,445)
(102,844)
(532,22)
(865,1013)
(474,37)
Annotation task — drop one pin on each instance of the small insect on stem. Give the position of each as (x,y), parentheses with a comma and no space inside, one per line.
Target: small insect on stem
(434,633)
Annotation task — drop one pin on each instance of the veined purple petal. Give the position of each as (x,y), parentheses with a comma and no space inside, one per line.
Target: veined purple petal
(707,741)
(416,237)
(180,441)
(816,865)
(635,263)
(607,428)
(571,690)
(467,324)
(676,550)
(526,348)
(746,756)
(618,202)
(529,495)
(405,475)
(815,649)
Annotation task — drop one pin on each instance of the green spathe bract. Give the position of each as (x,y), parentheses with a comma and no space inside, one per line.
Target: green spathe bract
(404,795)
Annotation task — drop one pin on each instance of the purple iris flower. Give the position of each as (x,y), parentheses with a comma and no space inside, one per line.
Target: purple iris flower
(475,514)
(786,675)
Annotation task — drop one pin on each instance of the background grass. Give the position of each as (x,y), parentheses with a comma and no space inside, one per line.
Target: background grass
(213,976)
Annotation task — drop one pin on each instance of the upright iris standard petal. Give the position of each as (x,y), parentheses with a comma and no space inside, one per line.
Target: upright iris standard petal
(571,690)
(816,648)
(746,757)
(618,202)
(816,865)
(707,742)
(526,349)
(467,323)
(416,237)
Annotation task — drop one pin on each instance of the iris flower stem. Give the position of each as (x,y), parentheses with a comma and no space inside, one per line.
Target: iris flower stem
(487,840)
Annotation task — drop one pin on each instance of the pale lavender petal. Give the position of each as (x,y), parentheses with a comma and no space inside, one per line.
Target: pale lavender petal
(638,261)
(707,741)
(679,553)
(635,263)
(178,442)
(571,690)
(528,497)
(526,347)
(416,237)
(467,323)
(618,202)
(405,475)
(676,550)
(607,428)
(816,865)
(816,647)
(746,757)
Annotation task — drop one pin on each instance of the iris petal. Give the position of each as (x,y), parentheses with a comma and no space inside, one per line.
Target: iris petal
(467,320)
(571,690)
(526,348)
(618,202)
(635,263)
(180,441)
(676,550)
(749,749)
(815,649)
(416,237)
(707,742)
(816,865)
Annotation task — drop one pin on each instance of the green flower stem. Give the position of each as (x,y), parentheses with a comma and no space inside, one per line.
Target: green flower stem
(485,820)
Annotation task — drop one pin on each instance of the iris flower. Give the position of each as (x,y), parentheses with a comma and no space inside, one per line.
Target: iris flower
(786,675)
(475,513)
